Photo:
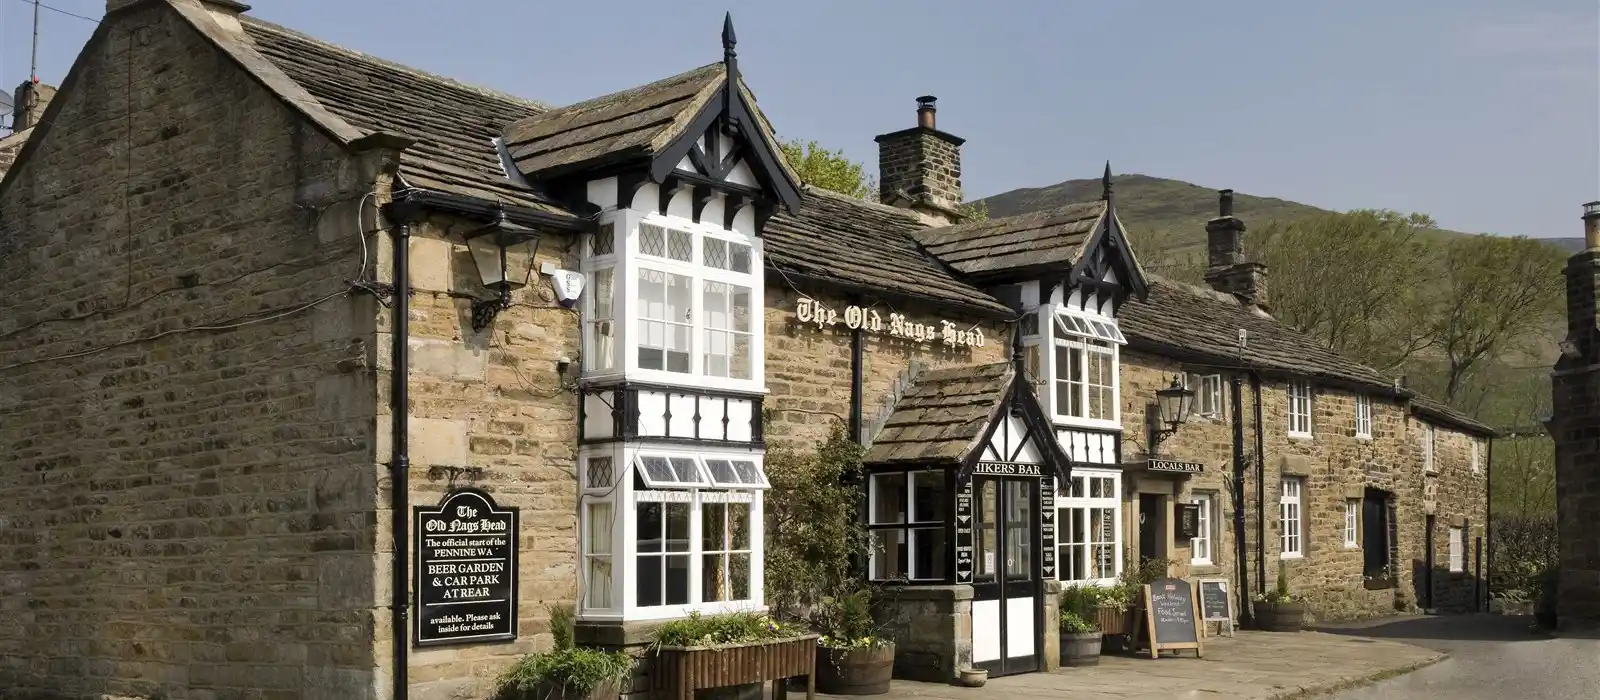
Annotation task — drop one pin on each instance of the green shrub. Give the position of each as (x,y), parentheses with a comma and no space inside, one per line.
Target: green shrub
(698,630)
(578,670)
(1073,623)
(846,621)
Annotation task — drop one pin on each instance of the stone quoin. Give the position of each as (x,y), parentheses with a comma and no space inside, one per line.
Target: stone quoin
(204,352)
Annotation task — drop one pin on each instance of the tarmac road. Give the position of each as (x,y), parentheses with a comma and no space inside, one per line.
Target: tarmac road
(1491,657)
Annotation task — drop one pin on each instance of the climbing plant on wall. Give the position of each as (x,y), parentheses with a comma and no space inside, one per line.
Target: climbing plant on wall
(814,537)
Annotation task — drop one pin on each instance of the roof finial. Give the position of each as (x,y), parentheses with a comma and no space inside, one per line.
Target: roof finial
(728,39)
(1105,183)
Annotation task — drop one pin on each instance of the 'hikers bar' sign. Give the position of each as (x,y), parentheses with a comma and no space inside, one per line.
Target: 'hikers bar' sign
(466,568)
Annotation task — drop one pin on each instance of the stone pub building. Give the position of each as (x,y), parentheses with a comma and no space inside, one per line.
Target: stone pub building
(232,250)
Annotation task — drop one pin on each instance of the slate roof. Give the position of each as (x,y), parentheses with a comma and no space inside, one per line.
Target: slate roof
(454,124)
(1180,319)
(834,238)
(942,417)
(1048,237)
(640,121)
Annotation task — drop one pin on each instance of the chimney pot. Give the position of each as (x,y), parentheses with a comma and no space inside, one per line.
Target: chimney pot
(1591,225)
(1225,203)
(926,107)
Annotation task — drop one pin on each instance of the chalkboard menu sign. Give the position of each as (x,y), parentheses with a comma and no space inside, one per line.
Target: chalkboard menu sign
(1171,616)
(1216,605)
(466,567)
(964,533)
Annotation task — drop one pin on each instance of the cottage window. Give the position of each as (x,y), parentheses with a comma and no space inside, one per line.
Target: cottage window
(1427,448)
(1291,521)
(1363,416)
(1477,457)
(1089,516)
(1379,542)
(1085,367)
(1200,546)
(600,305)
(1458,552)
(1207,394)
(669,533)
(1299,409)
(1352,519)
(906,524)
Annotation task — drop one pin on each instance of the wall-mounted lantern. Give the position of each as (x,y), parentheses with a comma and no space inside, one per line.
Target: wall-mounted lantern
(504,253)
(1172,410)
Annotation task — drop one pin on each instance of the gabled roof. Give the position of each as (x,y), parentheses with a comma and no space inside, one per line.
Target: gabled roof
(943,416)
(1440,412)
(453,124)
(1043,238)
(637,122)
(854,245)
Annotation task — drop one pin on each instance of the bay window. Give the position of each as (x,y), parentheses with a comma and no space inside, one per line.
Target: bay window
(1089,517)
(1080,383)
(906,525)
(669,533)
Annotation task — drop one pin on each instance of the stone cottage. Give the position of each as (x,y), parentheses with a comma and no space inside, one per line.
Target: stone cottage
(231,250)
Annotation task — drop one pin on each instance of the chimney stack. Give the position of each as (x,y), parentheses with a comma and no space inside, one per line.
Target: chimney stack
(224,12)
(920,168)
(29,102)
(1227,271)
(1591,225)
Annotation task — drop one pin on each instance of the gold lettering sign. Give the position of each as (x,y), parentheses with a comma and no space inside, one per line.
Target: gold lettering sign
(813,313)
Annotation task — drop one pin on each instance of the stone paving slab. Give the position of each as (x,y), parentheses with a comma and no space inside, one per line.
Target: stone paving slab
(1250,666)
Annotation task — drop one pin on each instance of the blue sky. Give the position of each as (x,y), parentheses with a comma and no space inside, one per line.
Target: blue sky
(1485,115)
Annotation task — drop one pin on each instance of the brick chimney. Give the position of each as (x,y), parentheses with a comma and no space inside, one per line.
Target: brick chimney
(1227,271)
(1574,426)
(920,168)
(30,99)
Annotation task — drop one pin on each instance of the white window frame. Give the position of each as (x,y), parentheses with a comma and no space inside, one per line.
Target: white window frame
(1363,417)
(1458,553)
(1291,518)
(602,332)
(1429,463)
(628,261)
(620,544)
(1201,547)
(1208,401)
(1069,506)
(1352,524)
(1082,333)
(1477,456)
(907,528)
(1300,398)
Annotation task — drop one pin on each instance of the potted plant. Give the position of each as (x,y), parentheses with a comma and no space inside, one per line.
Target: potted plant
(851,658)
(701,652)
(568,672)
(1279,610)
(1080,640)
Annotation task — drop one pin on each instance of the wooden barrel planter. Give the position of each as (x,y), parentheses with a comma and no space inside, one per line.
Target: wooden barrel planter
(679,671)
(558,691)
(1080,649)
(864,671)
(1280,617)
(1114,621)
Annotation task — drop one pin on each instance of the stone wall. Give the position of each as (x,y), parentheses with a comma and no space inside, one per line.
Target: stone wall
(932,631)
(489,410)
(1575,426)
(1336,467)
(808,368)
(184,512)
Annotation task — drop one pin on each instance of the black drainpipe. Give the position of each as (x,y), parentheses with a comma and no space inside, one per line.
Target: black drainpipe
(856,389)
(1488,524)
(400,462)
(1240,546)
(1261,489)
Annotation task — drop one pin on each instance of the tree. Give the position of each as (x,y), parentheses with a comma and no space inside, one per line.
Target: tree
(1350,280)
(1501,294)
(829,170)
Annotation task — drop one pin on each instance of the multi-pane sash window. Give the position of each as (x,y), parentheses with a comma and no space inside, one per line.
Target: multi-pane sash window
(906,526)
(1207,394)
(1292,524)
(692,528)
(1299,409)
(1458,553)
(698,303)
(1088,517)
(727,318)
(724,547)
(1352,516)
(1200,546)
(1085,378)
(602,356)
(666,320)
(1363,416)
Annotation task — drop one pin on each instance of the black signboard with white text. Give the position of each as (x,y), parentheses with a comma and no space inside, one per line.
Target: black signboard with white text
(1174,466)
(465,559)
(964,533)
(1007,469)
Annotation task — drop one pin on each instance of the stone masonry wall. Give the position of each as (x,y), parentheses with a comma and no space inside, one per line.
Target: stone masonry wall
(1335,466)
(184,513)
(489,410)
(808,369)
(920,162)
(1575,426)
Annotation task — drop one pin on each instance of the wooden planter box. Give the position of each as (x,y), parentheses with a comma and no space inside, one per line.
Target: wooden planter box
(679,671)
(1114,621)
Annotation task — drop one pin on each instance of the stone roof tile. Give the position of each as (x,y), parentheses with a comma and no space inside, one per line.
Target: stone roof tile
(941,418)
(1048,237)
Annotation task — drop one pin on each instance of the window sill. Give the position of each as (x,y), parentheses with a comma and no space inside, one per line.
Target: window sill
(1363,438)
(1207,564)
(1089,423)
(1295,555)
(1302,436)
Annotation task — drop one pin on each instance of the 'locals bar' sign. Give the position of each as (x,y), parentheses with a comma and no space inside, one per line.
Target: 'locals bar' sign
(813,313)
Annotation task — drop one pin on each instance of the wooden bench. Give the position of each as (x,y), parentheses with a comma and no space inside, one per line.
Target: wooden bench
(679,671)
